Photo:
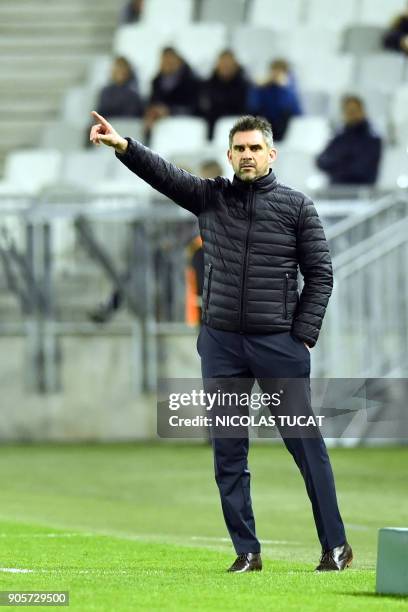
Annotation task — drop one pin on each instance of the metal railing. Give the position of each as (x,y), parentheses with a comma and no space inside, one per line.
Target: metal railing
(364,333)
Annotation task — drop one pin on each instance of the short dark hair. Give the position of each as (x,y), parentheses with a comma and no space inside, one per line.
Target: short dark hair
(248,123)
(280,64)
(353,98)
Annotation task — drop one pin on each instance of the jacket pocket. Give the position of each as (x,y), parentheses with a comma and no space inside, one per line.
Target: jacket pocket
(207,300)
(285,295)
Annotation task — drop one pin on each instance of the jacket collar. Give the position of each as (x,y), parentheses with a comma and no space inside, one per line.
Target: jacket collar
(265,183)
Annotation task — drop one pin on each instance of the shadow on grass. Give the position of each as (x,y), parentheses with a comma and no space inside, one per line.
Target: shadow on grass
(384,596)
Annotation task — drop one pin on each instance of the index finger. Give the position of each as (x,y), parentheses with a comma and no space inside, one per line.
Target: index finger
(101,119)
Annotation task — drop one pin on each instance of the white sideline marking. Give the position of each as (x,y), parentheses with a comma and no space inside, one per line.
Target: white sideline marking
(214,539)
(15,570)
(45,535)
(357,527)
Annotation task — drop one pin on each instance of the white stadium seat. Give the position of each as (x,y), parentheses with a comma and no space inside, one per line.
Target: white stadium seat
(200,44)
(77,105)
(335,72)
(315,102)
(307,134)
(255,47)
(229,12)
(298,170)
(174,13)
(313,41)
(394,168)
(83,169)
(399,106)
(363,39)
(221,132)
(380,12)
(99,73)
(178,135)
(129,127)
(29,171)
(381,71)
(63,136)
(335,15)
(400,133)
(276,14)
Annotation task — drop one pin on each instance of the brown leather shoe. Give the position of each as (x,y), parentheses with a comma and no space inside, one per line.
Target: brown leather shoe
(247,562)
(336,559)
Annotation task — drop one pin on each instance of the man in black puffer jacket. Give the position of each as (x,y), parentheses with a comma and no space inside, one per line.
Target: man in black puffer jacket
(256,233)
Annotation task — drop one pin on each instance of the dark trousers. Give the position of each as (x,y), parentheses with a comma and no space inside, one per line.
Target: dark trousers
(230,355)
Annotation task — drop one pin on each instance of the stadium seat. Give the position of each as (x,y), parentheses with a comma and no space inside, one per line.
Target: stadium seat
(277,15)
(298,170)
(307,134)
(363,39)
(378,109)
(129,127)
(63,136)
(335,16)
(221,132)
(121,180)
(381,71)
(394,168)
(200,44)
(378,12)
(229,13)
(316,103)
(334,71)
(30,171)
(83,169)
(173,13)
(99,72)
(256,57)
(311,41)
(77,105)
(175,135)
(399,108)
(400,133)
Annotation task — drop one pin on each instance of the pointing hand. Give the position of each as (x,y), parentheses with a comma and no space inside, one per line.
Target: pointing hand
(104,133)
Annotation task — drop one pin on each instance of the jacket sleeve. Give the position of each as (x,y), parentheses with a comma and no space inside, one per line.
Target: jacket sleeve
(183,188)
(316,268)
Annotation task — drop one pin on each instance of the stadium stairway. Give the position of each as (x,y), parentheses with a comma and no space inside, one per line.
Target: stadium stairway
(45,48)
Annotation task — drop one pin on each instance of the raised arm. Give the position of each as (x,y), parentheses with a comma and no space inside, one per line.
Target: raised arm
(183,188)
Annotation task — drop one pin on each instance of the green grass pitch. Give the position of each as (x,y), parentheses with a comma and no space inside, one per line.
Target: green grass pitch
(139,527)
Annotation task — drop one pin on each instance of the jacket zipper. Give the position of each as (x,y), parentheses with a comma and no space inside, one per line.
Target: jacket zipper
(245,268)
(208,286)
(285,297)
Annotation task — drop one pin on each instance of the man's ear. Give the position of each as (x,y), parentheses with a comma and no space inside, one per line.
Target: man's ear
(273,154)
(229,156)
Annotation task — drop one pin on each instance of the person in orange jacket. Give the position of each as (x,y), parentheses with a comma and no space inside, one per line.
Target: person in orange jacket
(195,260)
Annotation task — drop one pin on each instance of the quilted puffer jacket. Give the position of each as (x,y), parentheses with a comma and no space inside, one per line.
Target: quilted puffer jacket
(256,235)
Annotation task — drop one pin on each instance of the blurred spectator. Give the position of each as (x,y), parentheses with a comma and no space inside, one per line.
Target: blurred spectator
(225,92)
(121,97)
(195,258)
(352,157)
(396,38)
(277,99)
(174,89)
(131,12)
